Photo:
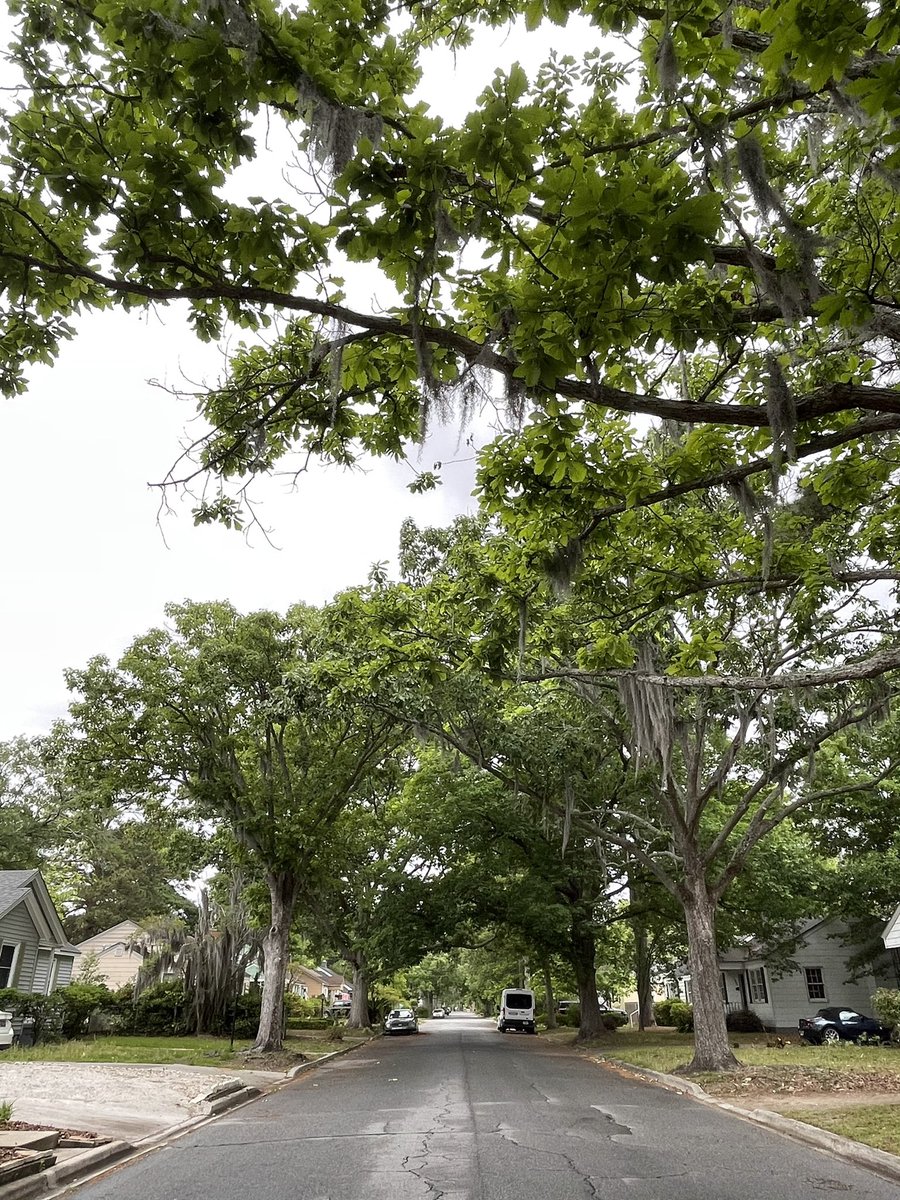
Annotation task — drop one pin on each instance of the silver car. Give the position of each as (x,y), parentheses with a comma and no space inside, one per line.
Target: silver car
(401,1020)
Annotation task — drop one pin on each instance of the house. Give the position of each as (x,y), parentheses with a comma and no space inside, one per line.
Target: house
(812,972)
(35,954)
(118,962)
(891,934)
(318,981)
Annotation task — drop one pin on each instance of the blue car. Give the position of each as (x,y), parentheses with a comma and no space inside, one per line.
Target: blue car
(835,1024)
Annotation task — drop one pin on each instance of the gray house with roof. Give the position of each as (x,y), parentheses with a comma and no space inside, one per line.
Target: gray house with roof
(35,954)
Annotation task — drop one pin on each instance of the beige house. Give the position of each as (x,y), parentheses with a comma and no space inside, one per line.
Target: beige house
(117,963)
(313,982)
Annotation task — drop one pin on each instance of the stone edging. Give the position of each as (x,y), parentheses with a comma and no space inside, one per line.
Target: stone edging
(879,1161)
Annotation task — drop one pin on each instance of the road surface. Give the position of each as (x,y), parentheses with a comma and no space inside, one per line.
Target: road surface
(461,1112)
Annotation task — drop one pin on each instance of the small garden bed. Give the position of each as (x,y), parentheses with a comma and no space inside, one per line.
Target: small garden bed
(789,1079)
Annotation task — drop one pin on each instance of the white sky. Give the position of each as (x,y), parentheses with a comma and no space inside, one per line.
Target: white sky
(86,566)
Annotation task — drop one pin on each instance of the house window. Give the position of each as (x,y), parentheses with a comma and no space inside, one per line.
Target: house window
(756,986)
(8,956)
(687,991)
(724,986)
(815,984)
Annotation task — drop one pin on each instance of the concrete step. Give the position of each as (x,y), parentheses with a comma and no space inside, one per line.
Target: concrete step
(29,1139)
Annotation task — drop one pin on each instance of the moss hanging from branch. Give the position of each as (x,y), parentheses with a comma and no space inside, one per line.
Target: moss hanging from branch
(782,413)
(651,711)
(334,129)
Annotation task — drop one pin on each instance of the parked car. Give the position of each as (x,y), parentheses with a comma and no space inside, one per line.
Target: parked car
(338,1008)
(439,1012)
(401,1020)
(836,1024)
(6,1030)
(564,1005)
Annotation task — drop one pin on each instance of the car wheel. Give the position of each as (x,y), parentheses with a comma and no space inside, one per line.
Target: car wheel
(830,1037)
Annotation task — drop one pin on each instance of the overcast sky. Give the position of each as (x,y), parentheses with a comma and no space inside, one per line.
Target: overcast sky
(88,561)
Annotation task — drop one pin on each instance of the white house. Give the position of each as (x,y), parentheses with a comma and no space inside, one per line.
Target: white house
(891,934)
(815,975)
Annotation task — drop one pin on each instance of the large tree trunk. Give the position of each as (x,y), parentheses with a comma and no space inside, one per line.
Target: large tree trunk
(359,1001)
(711,1049)
(283,888)
(584,963)
(549,999)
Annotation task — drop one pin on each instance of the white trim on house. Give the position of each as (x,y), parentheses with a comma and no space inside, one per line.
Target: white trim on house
(14,962)
(891,932)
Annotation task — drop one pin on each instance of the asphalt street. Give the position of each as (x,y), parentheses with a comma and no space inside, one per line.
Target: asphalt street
(461,1112)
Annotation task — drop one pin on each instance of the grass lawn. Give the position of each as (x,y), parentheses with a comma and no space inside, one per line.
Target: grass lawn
(796,1070)
(189,1051)
(877,1125)
(663,1051)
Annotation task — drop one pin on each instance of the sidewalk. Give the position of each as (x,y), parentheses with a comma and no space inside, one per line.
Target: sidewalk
(128,1101)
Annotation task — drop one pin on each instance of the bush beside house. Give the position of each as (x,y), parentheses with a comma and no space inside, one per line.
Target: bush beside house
(886,1002)
(675,1012)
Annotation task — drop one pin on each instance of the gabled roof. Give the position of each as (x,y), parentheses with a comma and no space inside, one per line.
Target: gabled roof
(126,928)
(329,978)
(891,933)
(28,888)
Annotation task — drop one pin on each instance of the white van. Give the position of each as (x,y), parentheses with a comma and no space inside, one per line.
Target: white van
(516,1010)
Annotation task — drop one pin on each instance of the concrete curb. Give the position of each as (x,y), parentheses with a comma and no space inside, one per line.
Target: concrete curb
(53,1181)
(879,1161)
(54,1177)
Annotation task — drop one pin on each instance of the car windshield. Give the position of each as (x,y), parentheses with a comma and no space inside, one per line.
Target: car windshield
(401,1012)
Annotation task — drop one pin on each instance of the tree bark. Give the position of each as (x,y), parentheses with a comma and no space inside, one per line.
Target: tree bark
(643,972)
(583,949)
(358,1017)
(549,998)
(283,888)
(643,964)
(711,1049)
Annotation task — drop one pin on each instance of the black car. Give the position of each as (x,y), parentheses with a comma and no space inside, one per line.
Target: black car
(841,1024)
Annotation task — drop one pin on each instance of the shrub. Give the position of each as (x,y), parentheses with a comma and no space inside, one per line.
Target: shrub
(6,1111)
(41,1012)
(745,1020)
(423,1012)
(613,1020)
(159,1012)
(8,998)
(682,1016)
(886,1002)
(570,1018)
(76,1004)
(662,1011)
(302,1006)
